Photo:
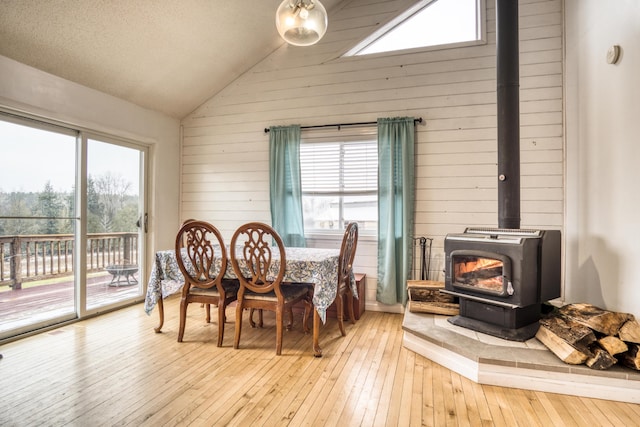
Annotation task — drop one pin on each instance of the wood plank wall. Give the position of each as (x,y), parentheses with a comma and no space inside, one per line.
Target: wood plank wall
(224,164)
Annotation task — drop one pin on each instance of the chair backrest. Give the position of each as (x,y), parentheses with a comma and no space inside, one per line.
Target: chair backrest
(184,243)
(252,254)
(201,254)
(347,251)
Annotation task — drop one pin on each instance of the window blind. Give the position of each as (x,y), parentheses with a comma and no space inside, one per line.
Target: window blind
(339,168)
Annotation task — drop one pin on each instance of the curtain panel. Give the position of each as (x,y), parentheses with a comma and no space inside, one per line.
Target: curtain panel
(285,189)
(396,138)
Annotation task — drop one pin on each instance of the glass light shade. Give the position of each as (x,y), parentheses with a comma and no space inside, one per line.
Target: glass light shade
(301,22)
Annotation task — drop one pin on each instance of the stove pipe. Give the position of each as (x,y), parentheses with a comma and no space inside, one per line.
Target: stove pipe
(508,101)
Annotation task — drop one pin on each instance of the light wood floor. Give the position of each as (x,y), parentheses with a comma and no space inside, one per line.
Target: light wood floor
(114,370)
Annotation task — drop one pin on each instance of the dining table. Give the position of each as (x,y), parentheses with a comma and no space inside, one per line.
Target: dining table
(304,266)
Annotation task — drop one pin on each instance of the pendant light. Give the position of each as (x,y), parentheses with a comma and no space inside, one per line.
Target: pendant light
(301,22)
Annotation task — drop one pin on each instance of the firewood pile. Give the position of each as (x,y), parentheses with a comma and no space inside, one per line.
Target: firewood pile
(425,297)
(584,333)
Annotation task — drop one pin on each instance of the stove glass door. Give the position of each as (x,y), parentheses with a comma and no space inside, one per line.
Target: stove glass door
(481,271)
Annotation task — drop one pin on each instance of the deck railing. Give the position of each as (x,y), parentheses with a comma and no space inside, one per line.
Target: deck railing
(37,257)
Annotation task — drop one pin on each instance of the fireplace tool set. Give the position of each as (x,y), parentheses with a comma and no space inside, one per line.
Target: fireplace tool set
(421,269)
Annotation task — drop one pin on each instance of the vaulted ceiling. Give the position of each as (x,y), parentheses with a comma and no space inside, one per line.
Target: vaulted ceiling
(165,55)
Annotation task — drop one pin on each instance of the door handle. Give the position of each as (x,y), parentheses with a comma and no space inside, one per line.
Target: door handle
(146,222)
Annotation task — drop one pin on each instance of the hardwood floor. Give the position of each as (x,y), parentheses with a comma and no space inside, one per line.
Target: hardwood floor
(114,370)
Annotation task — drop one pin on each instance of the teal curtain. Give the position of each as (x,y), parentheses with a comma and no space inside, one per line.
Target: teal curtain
(285,184)
(395,207)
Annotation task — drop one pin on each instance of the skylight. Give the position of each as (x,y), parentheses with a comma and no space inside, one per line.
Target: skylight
(428,23)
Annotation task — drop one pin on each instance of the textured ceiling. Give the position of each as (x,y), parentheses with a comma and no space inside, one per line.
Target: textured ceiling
(165,55)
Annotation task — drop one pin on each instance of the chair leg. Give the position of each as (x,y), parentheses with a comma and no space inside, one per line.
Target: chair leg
(239,310)
(279,322)
(183,318)
(290,324)
(260,321)
(208,309)
(251,322)
(340,314)
(352,315)
(221,318)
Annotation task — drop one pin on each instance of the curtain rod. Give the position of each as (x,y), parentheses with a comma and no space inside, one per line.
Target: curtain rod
(339,125)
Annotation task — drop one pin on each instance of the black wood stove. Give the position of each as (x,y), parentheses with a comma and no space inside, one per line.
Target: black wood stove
(502,277)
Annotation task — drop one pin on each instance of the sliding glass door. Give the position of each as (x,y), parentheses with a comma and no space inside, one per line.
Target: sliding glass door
(71,224)
(37,222)
(115,222)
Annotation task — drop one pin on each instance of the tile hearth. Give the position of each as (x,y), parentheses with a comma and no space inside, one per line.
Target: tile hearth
(528,365)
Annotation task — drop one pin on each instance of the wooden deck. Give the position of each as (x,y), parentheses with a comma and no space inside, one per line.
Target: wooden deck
(114,370)
(18,307)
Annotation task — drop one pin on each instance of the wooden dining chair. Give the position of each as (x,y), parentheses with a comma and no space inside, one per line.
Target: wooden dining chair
(260,268)
(207,307)
(203,266)
(345,273)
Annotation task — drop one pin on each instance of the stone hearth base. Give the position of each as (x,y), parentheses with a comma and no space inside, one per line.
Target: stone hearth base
(527,365)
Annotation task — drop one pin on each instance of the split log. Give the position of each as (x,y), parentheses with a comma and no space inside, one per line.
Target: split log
(613,345)
(560,348)
(566,339)
(425,297)
(601,359)
(444,308)
(576,335)
(631,358)
(630,331)
(431,294)
(603,321)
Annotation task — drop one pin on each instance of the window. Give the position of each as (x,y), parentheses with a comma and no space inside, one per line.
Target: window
(339,183)
(428,23)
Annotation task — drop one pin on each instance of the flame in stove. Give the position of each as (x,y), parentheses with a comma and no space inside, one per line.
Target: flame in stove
(483,273)
(477,264)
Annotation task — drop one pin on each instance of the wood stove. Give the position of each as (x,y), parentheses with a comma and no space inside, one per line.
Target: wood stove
(502,277)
